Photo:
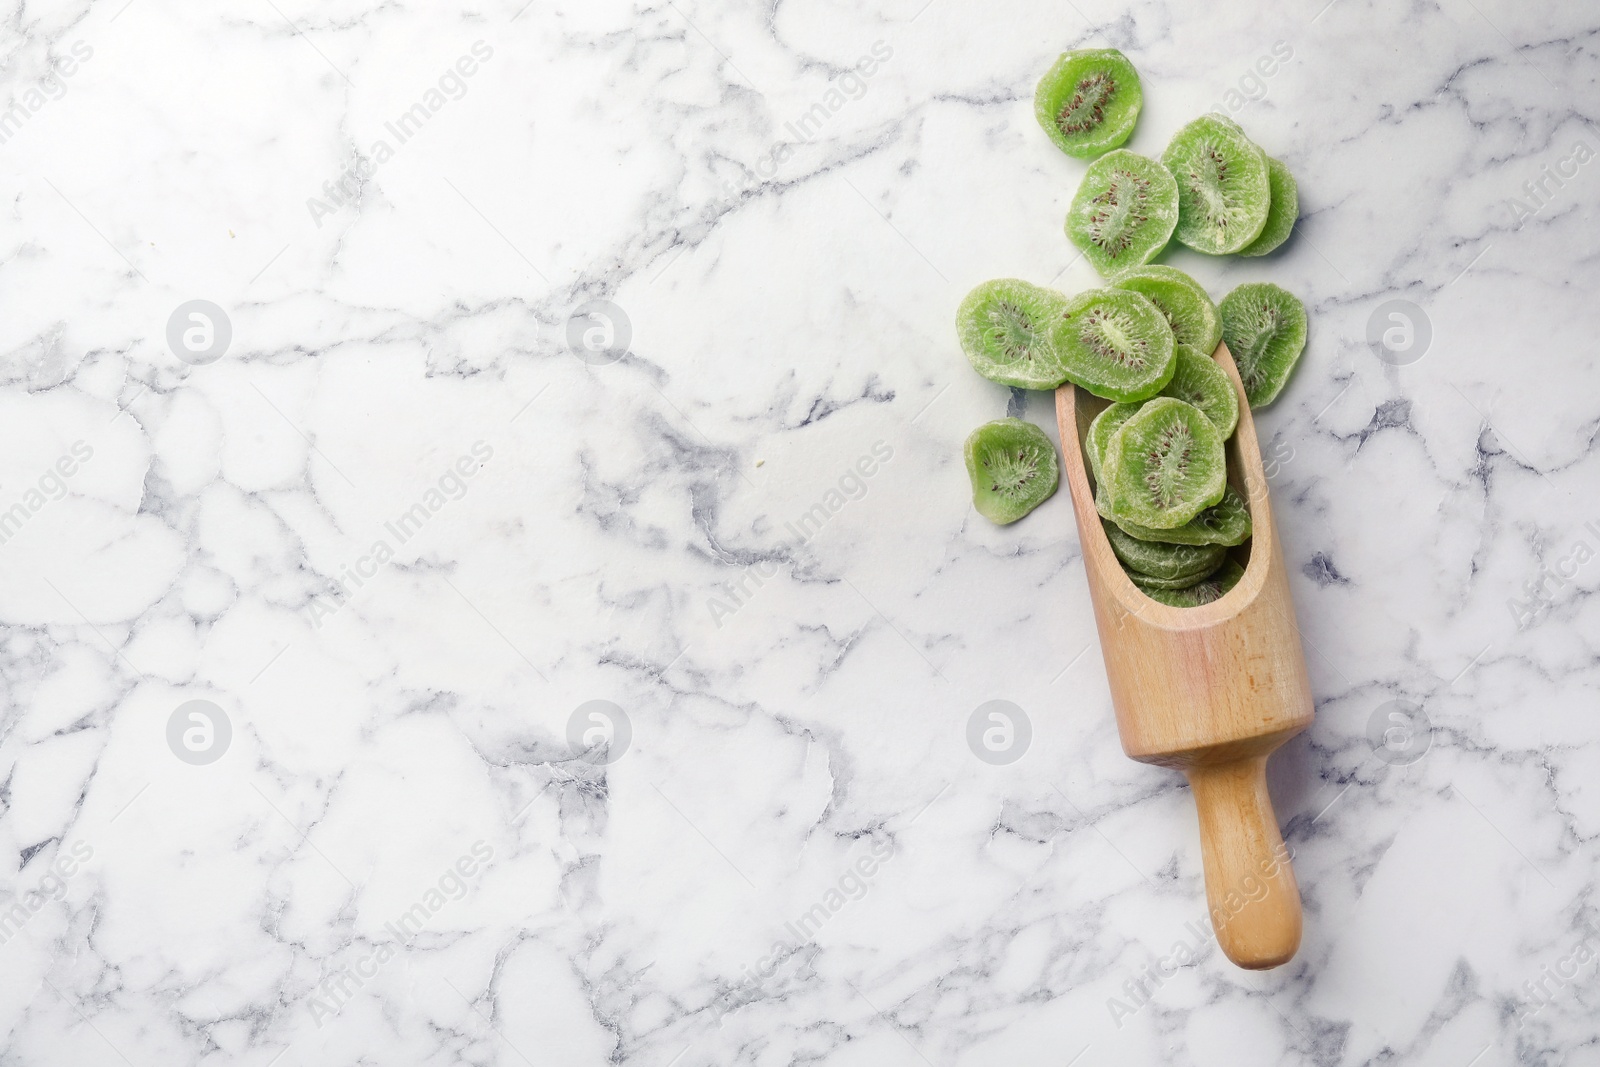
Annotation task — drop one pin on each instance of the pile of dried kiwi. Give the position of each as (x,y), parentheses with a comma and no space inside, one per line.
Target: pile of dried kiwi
(1146,341)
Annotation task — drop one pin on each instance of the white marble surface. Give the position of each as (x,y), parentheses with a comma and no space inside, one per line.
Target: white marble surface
(789,298)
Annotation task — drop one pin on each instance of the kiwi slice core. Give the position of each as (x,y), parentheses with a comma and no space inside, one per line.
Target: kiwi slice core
(1013,469)
(1124,211)
(1088,101)
(1264,326)
(1004,326)
(1115,344)
(1223,190)
(1165,465)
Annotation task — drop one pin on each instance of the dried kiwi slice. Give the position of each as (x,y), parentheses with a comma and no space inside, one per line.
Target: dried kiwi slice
(1115,344)
(1226,522)
(1223,191)
(1005,327)
(1013,469)
(1184,302)
(1265,328)
(1104,425)
(1088,101)
(1282,214)
(1203,592)
(1124,211)
(1164,466)
(1155,561)
(1199,381)
(1148,582)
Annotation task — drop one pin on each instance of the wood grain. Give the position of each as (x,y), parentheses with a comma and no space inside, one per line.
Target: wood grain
(1209,690)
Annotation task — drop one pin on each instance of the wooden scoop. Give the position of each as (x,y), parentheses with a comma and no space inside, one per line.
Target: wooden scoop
(1210,690)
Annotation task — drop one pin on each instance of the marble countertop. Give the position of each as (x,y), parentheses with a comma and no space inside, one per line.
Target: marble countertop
(397,401)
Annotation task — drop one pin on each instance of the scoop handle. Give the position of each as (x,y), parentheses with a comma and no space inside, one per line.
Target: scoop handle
(1250,886)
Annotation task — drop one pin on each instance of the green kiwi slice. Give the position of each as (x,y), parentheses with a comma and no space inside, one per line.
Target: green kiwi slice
(1282,213)
(1013,469)
(1203,592)
(1088,101)
(1115,344)
(1199,381)
(1124,211)
(1165,465)
(1147,582)
(1223,190)
(1104,425)
(1184,302)
(1226,522)
(1156,561)
(1005,327)
(1265,328)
